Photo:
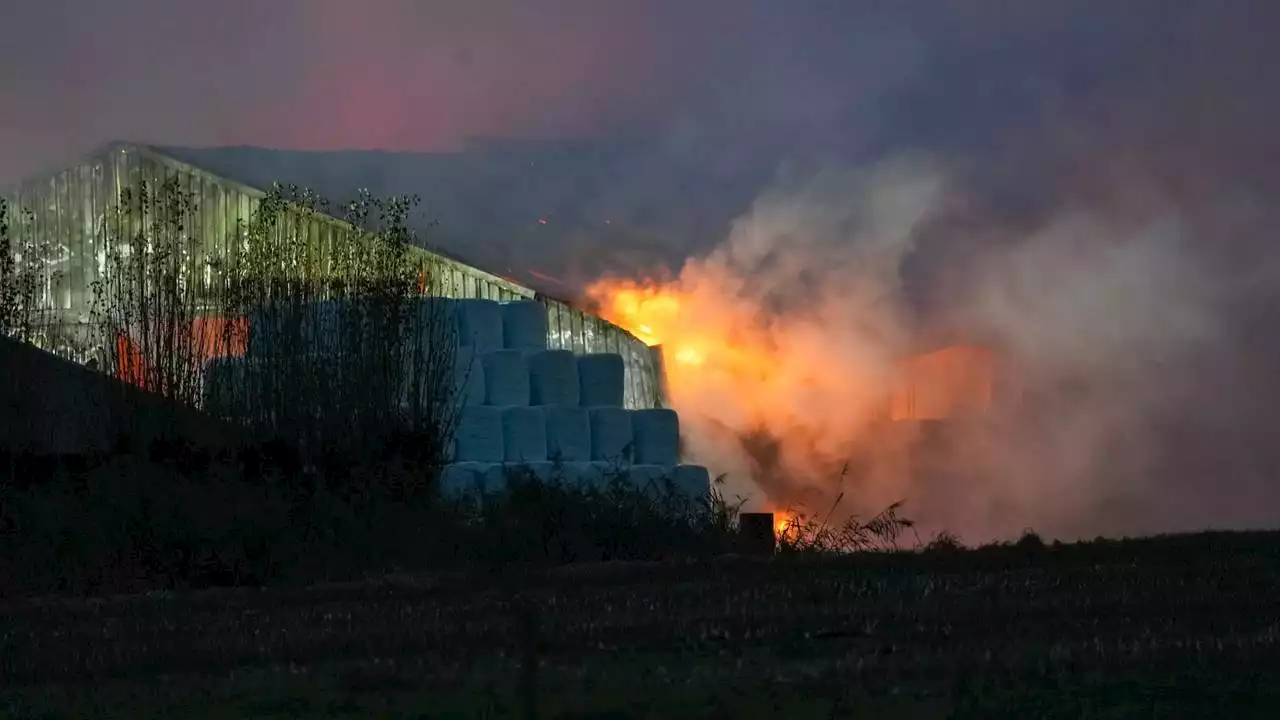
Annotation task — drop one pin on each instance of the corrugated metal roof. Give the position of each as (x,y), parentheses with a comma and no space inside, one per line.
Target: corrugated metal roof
(547,214)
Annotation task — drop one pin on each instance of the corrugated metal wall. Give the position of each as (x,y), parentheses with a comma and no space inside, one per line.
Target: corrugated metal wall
(572,329)
(71,214)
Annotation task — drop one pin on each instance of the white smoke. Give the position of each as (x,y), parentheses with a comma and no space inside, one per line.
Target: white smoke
(1098,314)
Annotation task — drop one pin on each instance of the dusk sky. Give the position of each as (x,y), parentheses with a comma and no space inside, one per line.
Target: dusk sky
(797,77)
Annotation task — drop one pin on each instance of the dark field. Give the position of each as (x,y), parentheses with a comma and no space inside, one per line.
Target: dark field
(1185,626)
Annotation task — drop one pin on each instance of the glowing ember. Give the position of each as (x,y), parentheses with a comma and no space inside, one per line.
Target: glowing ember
(784,522)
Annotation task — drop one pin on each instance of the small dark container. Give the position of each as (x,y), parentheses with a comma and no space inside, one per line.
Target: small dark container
(757,533)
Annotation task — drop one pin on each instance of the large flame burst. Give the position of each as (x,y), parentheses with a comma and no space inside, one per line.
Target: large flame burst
(797,392)
(736,372)
(709,346)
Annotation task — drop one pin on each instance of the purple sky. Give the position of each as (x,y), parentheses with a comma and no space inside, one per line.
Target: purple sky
(824,75)
(318,74)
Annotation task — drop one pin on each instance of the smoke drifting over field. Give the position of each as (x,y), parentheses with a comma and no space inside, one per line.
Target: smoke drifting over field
(786,337)
(1082,187)
(1119,287)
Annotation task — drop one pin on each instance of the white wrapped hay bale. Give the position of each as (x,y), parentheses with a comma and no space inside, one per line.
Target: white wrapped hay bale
(649,479)
(601,380)
(494,481)
(582,475)
(431,325)
(432,317)
(479,324)
(468,376)
(524,434)
(499,478)
(478,435)
(463,479)
(524,325)
(318,328)
(547,473)
(656,434)
(568,433)
(340,326)
(610,434)
(553,378)
(227,386)
(543,472)
(270,330)
(461,381)
(694,481)
(506,377)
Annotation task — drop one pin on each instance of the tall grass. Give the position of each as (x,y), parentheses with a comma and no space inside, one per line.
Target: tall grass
(145,305)
(344,359)
(813,534)
(24,314)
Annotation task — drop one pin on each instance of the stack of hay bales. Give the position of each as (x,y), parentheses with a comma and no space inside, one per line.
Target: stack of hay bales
(519,404)
(561,416)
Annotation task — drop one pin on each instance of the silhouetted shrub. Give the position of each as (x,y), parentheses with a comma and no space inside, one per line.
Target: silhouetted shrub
(126,524)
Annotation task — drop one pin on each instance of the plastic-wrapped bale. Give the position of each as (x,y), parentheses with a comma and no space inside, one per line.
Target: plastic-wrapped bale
(499,478)
(479,324)
(547,472)
(226,387)
(495,479)
(340,326)
(432,319)
(601,380)
(542,472)
(322,327)
(273,330)
(553,378)
(524,325)
(524,434)
(478,435)
(568,433)
(611,437)
(466,381)
(649,479)
(506,377)
(694,481)
(656,434)
(587,475)
(468,376)
(465,478)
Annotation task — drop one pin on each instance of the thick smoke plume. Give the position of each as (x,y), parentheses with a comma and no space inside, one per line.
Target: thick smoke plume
(783,339)
(783,346)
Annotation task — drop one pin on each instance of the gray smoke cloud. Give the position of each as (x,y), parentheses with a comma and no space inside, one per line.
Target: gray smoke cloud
(1112,322)
(1109,241)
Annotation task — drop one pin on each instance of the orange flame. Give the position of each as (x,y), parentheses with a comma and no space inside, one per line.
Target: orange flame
(735,367)
(738,368)
(783,522)
(706,342)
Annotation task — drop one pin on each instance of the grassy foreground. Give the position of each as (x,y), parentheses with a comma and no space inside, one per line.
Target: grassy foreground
(1182,626)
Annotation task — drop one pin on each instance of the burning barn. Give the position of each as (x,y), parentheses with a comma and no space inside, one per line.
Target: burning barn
(690,342)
